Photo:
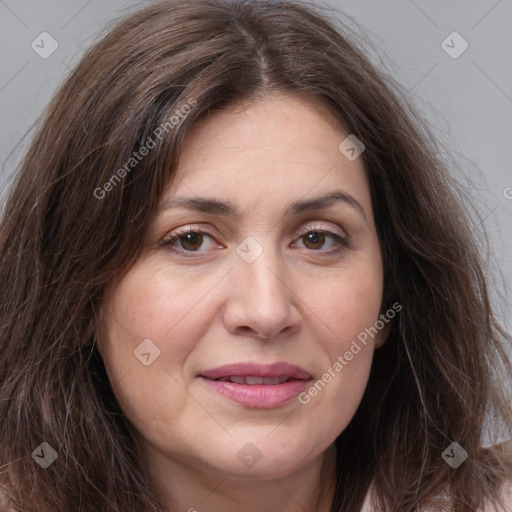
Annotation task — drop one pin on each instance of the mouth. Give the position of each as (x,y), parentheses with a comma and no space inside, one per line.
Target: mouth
(254,380)
(255,385)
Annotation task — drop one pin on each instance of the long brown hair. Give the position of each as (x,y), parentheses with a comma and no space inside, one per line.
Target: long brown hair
(66,234)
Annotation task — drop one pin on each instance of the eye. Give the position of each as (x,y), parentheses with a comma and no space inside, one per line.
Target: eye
(322,240)
(190,239)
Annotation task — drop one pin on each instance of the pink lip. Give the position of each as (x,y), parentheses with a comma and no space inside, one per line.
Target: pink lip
(258,370)
(258,396)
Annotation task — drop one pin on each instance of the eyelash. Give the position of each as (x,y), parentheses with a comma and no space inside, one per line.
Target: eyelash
(342,243)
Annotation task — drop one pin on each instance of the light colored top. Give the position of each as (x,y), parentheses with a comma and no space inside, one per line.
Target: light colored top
(506,497)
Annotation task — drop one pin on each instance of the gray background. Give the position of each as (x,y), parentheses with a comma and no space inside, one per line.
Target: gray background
(467,100)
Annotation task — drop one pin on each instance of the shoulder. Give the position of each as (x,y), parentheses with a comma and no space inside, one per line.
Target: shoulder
(367,505)
(504,450)
(506,495)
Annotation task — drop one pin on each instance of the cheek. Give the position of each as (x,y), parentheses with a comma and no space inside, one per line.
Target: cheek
(147,376)
(348,306)
(154,303)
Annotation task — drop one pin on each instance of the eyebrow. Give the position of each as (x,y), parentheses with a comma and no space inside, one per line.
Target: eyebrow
(216,207)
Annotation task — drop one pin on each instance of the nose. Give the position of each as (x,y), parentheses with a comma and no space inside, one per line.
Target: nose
(261,301)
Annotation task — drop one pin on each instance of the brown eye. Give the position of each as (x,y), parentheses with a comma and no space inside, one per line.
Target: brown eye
(191,241)
(314,240)
(321,241)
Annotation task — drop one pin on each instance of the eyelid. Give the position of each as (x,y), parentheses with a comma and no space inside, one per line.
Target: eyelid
(189,228)
(195,228)
(321,227)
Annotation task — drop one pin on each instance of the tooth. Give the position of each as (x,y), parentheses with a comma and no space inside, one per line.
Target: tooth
(282,379)
(237,379)
(253,380)
(271,381)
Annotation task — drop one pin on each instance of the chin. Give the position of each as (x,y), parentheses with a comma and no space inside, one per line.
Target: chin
(264,459)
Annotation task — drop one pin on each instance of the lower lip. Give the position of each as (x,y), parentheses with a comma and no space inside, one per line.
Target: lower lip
(259,395)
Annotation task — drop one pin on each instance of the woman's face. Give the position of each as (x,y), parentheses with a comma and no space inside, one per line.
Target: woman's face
(262,269)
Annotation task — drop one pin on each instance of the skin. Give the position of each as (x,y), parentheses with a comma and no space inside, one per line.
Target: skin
(298,302)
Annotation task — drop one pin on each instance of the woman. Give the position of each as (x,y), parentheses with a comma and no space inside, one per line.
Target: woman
(237,277)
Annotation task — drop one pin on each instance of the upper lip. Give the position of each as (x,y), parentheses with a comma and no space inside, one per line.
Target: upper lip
(280,369)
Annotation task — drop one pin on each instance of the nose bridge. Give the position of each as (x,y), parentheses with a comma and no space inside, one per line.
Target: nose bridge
(262,301)
(259,274)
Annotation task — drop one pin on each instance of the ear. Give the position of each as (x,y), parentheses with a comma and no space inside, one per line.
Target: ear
(386,317)
(382,336)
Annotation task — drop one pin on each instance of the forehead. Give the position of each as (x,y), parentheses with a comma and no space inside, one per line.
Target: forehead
(279,146)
